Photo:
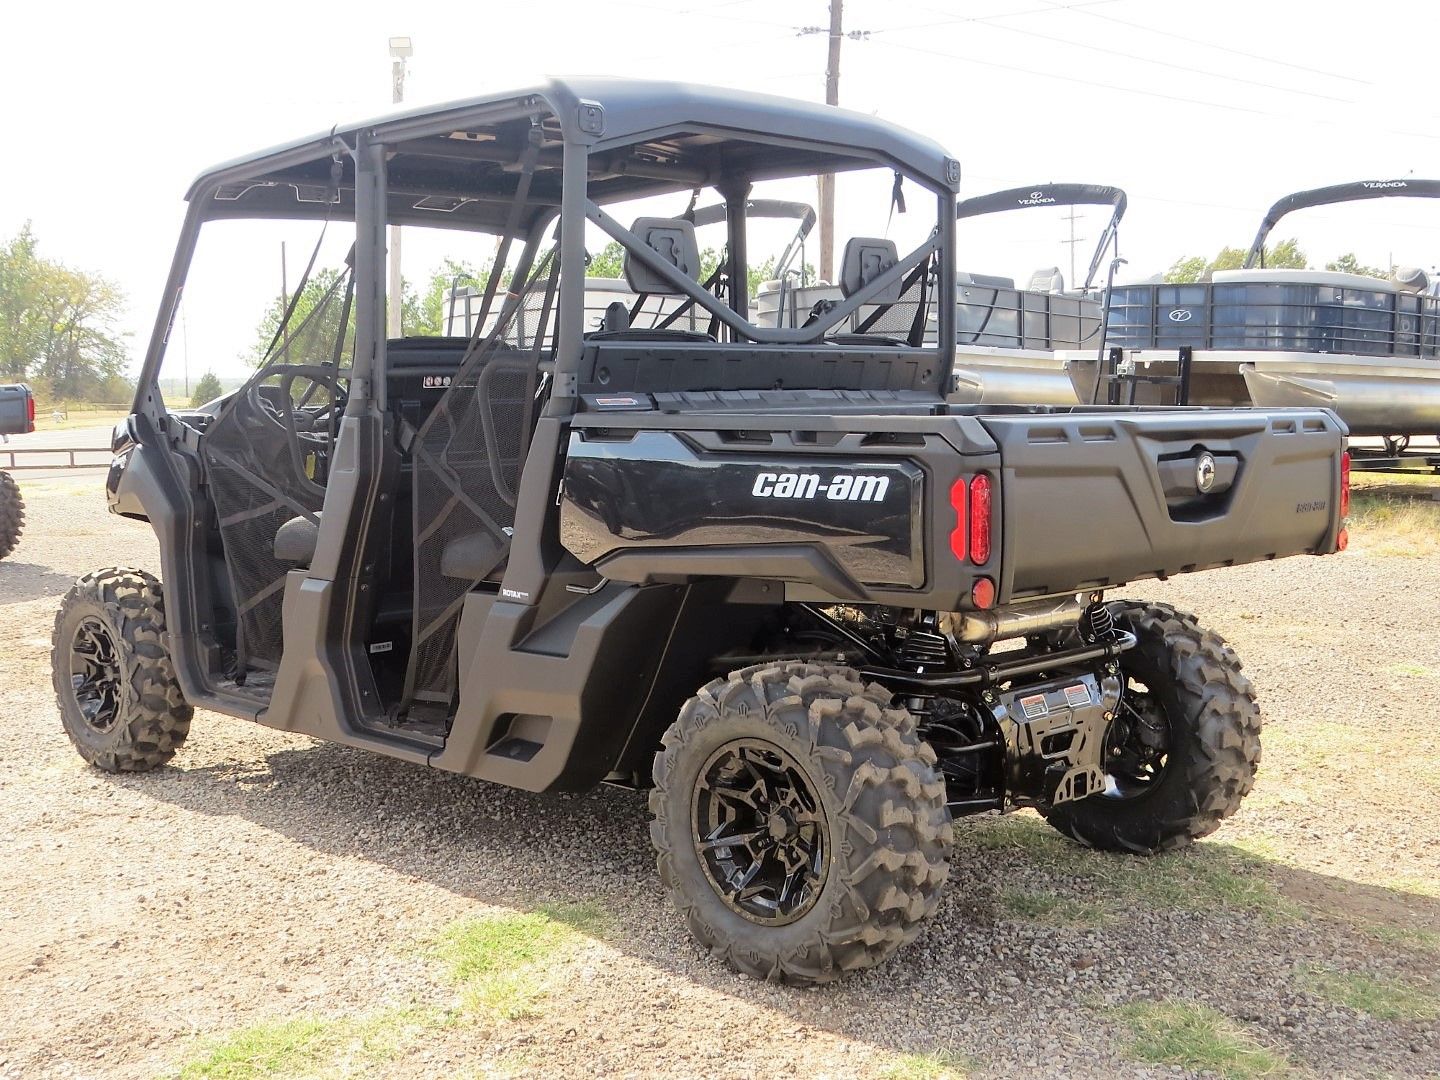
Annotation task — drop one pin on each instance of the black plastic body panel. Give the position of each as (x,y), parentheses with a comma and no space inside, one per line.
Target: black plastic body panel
(675,367)
(834,503)
(1085,499)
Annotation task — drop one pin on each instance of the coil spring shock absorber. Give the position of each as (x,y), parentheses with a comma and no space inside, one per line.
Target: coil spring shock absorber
(1096,623)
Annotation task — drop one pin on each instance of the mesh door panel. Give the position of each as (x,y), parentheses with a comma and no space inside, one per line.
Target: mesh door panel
(467,473)
(256,487)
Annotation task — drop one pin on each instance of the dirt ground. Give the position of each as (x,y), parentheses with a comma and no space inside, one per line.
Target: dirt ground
(268,905)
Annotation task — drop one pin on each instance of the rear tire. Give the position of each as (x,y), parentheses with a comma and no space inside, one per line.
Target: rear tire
(827,778)
(1198,694)
(12,514)
(120,702)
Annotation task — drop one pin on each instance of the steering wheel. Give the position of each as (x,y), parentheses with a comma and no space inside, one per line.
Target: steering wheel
(306,429)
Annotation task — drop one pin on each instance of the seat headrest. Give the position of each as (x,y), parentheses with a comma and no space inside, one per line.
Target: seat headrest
(674,240)
(866,258)
(1410,278)
(1047,279)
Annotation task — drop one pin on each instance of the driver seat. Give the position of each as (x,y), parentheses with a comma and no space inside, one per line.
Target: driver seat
(295,541)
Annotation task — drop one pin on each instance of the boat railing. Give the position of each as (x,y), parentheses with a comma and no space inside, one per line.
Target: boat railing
(1287,316)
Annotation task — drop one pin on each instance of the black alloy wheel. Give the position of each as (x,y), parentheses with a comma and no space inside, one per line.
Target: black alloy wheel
(760,832)
(95,675)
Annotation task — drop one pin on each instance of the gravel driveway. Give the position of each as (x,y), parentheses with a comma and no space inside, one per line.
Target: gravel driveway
(266,879)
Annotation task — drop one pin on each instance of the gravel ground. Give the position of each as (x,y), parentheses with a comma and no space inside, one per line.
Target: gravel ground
(264,876)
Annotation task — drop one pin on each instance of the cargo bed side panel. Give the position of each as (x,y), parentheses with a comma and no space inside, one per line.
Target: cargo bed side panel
(1098,499)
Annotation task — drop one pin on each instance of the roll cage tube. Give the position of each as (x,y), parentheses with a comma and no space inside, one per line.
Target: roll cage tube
(773,335)
(1025,198)
(1336,193)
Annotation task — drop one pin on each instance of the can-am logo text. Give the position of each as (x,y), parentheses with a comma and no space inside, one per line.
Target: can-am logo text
(1383,183)
(842,488)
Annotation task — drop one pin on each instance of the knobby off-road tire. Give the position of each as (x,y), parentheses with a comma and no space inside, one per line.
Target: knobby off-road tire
(119,699)
(1213,739)
(12,514)
(881,814)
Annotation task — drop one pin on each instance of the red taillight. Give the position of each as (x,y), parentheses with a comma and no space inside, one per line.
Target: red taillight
(979,519)
(958,534)
(30,411)
(982,593)
(1343,540)
(1345,484)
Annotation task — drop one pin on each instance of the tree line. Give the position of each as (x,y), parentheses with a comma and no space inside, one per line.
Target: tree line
(1283,255)
(58,327)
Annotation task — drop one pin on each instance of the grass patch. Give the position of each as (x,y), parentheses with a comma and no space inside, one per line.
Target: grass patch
(1196,878)
(1385,525)
(939,1065)
(309,1046)
(1418,671)
(1381,996)
(1050,907)
(1197,1037)
(1407,936)
(499,961)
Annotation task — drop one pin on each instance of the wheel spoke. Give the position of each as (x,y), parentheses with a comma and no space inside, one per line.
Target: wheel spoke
(759,831)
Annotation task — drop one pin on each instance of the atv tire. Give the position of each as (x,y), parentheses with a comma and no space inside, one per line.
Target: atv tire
(12,514)
(846,780)
(1212,746)
(120,702)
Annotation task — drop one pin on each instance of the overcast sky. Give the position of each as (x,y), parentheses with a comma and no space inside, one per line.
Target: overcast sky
(1205,111)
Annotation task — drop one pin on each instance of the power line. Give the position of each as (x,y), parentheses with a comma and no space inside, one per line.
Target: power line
(1136,91)
(1162,63)
(989,18)
(1205,44)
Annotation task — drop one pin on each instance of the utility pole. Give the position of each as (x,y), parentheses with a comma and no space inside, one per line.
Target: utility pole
(827,180)
(834,32)
(401,50)
(1072,217)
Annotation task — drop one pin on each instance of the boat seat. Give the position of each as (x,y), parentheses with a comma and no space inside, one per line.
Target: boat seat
(987,281)
(1047,279)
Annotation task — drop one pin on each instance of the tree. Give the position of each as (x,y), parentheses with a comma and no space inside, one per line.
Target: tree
(1285,255)
(207,389)
(1349,264)
(314,324)
(609,262)
(58,325)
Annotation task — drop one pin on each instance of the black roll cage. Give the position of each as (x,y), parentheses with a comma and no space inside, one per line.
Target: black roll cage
(1027,198)
(1356,191)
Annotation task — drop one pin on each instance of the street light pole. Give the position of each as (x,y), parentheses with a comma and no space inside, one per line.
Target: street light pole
(401,50)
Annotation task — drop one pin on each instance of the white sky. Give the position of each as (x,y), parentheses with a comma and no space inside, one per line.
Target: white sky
(1205,111)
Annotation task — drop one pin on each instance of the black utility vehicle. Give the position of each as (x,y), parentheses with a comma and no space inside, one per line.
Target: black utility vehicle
(17,417)
(765,572)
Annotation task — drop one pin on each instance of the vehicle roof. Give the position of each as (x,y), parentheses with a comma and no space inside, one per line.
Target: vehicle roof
(630,109)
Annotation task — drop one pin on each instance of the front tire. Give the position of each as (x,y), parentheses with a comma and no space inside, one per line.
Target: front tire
(1185,746)
(841,836)
(120,702)
(12,514)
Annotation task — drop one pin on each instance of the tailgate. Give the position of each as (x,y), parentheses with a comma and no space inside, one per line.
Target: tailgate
(1098,499)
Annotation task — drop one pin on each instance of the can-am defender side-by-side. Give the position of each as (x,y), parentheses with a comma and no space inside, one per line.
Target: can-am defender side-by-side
(764,571)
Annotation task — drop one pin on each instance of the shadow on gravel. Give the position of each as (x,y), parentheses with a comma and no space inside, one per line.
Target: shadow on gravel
(21,581)
(980,955)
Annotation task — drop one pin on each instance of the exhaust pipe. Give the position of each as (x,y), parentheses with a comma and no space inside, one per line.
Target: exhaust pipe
(983,627)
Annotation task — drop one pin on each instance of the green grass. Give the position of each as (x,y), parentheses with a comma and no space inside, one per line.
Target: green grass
(1407,936)
(1418,671)
(309,1046)
(1203,877)
(1050,907)
(499,961)
(1382,996)
(1197,1037)
(938,1065)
